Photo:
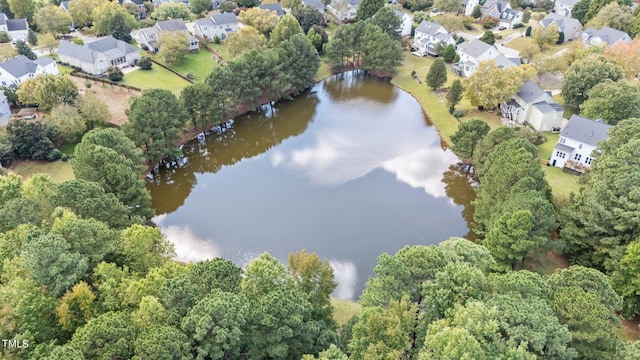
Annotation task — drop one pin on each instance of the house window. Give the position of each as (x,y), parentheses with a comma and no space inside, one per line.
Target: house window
(4,83)
(577,157)
(587,160)
(562,140)
(560,154)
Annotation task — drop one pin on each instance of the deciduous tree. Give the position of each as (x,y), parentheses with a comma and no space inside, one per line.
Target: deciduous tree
(614,16)
(48,91)
(113,19)
(545,35)
(263,20)
(71,126)
(81,11)
(30,139)
(488,37)
(52,19)
(612,101)
(490,85)
(446,5)
(173,46)
(584,74)
(171,10)
(314,278)
(22,9)
(247,38)
(287,27)
(199,6)
(76,307)
(93,110)
(626,56)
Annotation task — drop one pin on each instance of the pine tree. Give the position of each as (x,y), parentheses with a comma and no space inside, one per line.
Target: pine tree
(437,75)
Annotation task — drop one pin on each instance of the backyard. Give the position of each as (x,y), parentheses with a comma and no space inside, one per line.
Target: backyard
(562,183)
(156,78)
(198,64)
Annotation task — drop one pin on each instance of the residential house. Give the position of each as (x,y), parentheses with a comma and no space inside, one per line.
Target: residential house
(509,18)
(578,142)
(430,37)
(534,106)
(570,27)
(157,3)
(64,5)
(473,52)
(467,6)
(13,72)
(405,22)
(605,36)
(344,10)
(494,8)
(142,10)
(149,36)
(317,4)
(273,7)
(96,57)
(564,7)
(5,110)
(218,25)
(17,29)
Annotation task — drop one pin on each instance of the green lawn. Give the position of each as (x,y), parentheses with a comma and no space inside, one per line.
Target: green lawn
(156,78)
(519,43)
(58,170)
(221,50)
(343,310)
(199,64)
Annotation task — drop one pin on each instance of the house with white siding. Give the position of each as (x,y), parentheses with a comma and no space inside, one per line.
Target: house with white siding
(17,29)
(405,22)
(218,25)
(578,142)
(149,36)
(467,6)
(473,52)
(13,72)
(96,57)
(430,38)
(344,10)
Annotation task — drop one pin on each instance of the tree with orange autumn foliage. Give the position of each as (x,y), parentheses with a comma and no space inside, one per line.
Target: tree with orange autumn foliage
(627,56)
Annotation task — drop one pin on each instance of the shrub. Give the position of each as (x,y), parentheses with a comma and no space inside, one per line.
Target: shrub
(114,73)
(560,38)
(216,40)
(54,154)
(528,31)
(518,26)
(458,113)
(144,47)
(88,84)
(32,38)
(4,37)
(145,63)
(64,157)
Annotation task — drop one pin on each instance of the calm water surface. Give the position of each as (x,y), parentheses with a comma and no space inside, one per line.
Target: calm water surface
(348,170)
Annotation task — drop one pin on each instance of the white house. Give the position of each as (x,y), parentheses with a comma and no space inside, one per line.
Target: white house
(534,106)
(467,6)
(13,72)
(5,110)
(570,27)
(509,18)
(344,10)
(473,52)
(429,36)
(405,22)
(96,57)
(218,25)
(577,143)
(18,29)
(495,8)
(564,7)
(149,36)
(604,36)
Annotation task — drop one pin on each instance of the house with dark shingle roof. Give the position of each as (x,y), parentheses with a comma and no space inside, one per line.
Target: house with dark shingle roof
(578,142)
(273,7)
(18,29)
(534,106)
(149,36)
(567,25)
(509,18)
(217,25)
(13,72)
(344,10)
(605,36)
(96,57)
(473,52)
(317,4)
(430,38)
(494,8)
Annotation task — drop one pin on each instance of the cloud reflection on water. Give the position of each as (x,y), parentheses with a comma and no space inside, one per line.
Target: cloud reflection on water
(188,246)
(346,276)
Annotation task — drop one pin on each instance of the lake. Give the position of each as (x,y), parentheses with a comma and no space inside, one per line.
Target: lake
(350,169)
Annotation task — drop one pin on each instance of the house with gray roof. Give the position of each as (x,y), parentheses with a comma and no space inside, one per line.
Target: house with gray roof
(18,29)
(509,18)
(405,22)
(149,36)
(430,38)
(605,36)
(273,7)
(467,6)
(317,4)
(96,57)
(13,72)
(494,8)
(473,52)
(570,27)
(564,7)
(217,25)
(578,142)
(534,106)
(344,10)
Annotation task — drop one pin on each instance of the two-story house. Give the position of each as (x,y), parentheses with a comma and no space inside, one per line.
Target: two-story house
(603,37)
(405,22)
(13,72)
(564,7)
(141,9)
(467,6)
(218,25)
(534,106)
(578,142)
(17,29)
(344,10)
(494,8)
(96,57)
(430,38)
(473,52)
(570,27)
(149,36)
(509,18)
